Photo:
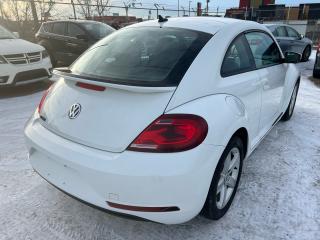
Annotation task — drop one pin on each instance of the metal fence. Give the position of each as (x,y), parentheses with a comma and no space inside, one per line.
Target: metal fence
(133,11)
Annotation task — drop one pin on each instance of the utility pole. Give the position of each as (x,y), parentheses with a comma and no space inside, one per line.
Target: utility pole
(288,17)
(251,12)
(178,8)
(246,13)
(126,7)
(157,7)
(189,6)
(184,11)
(208,7)
(74,10)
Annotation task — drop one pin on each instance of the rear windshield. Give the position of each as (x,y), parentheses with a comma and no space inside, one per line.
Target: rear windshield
(146,56)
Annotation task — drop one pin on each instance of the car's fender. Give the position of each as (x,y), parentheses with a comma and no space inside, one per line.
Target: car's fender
(224,113)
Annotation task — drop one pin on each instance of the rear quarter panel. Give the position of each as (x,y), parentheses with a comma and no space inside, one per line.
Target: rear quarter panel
(223,118)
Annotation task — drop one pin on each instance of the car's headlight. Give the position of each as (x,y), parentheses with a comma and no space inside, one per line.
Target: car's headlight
(44,54)
(2,60)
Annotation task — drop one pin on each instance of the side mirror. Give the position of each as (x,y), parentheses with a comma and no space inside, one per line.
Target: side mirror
(292,57)
(16,34)
(82,37)
(301,36)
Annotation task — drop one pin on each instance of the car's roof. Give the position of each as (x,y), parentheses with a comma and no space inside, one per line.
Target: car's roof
(74,21)
(204,24)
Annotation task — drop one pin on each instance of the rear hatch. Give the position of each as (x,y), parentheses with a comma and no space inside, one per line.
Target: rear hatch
(109,120)
(140,68)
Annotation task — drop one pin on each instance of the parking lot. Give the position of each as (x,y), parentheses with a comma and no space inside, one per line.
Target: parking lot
(278,196)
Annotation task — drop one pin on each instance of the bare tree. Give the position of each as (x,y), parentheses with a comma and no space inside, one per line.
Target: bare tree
(45,7)
(16,11)
(86,8)
(89,8)
(102,7)
(21,11)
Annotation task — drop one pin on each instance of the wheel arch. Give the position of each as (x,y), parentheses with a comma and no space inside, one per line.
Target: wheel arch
(292,77)
(242,133)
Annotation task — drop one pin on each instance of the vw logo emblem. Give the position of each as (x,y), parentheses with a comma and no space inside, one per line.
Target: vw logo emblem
(74,111)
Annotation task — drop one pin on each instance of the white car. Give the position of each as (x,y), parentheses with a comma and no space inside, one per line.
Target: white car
(21,62)
(156,119)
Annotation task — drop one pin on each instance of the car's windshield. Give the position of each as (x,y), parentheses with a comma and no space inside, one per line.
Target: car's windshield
(98,30)
(5,34)
(145,56)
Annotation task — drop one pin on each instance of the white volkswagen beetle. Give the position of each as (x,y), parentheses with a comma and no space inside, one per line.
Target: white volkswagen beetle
(156,119)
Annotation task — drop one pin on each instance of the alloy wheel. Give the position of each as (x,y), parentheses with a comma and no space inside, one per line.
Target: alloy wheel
(228,178)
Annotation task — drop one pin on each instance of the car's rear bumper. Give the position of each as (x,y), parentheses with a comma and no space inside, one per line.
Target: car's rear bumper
(20,74)
(146,180)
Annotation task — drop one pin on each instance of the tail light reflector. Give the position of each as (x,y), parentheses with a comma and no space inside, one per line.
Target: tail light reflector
(43,99)
(171,133)
(91,86)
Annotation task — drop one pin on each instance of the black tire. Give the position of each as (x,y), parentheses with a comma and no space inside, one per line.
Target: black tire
(289,112)
(316,73)
(52,58)
(210,209)
(306,54)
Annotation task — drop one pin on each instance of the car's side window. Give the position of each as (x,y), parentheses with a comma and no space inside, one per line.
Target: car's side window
(238,58)
(48,27)
(292,33)
(264,50)
(281,32)
(275,32)
(59,28)
(74,30)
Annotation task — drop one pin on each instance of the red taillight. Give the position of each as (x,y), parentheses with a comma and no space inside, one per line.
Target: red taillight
(171,133)
(91,86)
(44,96)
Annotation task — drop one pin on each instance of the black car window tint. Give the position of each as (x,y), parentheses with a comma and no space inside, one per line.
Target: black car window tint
(292,33)
(74,30)
(58,28)
(281,32)
(237,59)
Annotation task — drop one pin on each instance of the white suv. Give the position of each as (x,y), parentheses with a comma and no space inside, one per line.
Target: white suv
(21,61)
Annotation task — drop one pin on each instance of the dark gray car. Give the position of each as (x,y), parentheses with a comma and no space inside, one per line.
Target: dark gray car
(291,41)
(66,40)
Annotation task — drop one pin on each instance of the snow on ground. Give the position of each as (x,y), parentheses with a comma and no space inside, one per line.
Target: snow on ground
(278,196)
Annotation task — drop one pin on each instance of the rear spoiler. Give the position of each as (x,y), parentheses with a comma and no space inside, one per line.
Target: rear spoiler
(65,73)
